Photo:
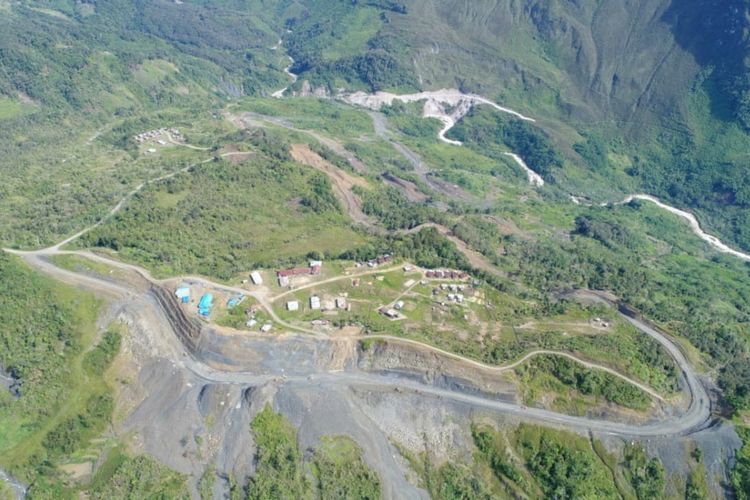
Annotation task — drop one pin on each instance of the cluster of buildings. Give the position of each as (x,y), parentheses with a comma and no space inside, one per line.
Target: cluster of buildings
(312,270)
(318,304)
(156,135)
(377,261)
(455,291)
(182,292)
(452,275)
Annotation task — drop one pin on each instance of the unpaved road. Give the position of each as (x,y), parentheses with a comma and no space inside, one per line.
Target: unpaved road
(309,377)
(343,182)
(696,417)
(17,489)
(328,395)
(534,178)
(693,222)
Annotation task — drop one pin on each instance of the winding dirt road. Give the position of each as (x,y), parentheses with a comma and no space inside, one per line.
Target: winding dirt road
(696,417)
(695,226)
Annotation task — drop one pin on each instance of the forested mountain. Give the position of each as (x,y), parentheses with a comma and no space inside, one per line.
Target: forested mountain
(659,90)
(153,146)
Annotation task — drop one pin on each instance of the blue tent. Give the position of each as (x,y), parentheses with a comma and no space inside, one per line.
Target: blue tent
(205,305)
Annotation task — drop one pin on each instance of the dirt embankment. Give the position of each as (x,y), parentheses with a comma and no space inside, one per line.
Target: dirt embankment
(343,182)
(476,259)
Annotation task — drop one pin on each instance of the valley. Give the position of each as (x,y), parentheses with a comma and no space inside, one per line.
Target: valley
(374,249)
(340,359)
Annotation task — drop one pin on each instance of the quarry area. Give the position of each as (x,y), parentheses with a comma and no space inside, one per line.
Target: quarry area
(202,358)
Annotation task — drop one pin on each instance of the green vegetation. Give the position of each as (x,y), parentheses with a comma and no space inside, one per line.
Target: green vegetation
(493,133)
(528,461)
(97,360)
(6,493)
(221,219)
(109,70)
(47,328)
(646,475)
(588,382)
(740,474)
(734,379)
(341,473)
(123,477)
(564,464)
(392,208)
(336,464)
(279,472)
(697,488)
(65,403)
(449,480)
(332,45)
(495,452)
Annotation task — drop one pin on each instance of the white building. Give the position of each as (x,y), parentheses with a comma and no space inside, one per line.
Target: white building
(399,305)
(256,277)
(266,328)
(292,305)
(340,303)
(283,281)
(315,302)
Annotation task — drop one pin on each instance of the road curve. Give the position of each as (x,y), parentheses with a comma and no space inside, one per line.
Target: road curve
(266,305)
(692,221)
(696,417)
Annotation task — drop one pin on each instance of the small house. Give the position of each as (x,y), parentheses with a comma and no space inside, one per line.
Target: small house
(266,328)
(183,293)
(292,305)
(340,303)
(315,302)
(256,277)
(391,313)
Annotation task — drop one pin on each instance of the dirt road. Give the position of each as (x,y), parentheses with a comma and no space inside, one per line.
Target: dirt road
(696,416)
(692,221)
(343,182)
(329,393)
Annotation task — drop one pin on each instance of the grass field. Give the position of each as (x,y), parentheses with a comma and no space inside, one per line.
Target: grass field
(224,219)
(488,325)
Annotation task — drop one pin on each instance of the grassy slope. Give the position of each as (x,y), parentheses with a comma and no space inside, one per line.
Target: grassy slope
(338,470)
(224,219)
(50,343)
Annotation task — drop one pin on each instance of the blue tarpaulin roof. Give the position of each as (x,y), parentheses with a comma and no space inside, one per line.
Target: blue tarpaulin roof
(204,306)
(206,300)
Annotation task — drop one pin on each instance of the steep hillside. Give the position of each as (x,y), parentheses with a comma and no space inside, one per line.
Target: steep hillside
(652,95)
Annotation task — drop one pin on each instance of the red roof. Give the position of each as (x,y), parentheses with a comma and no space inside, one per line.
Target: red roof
(296,271)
